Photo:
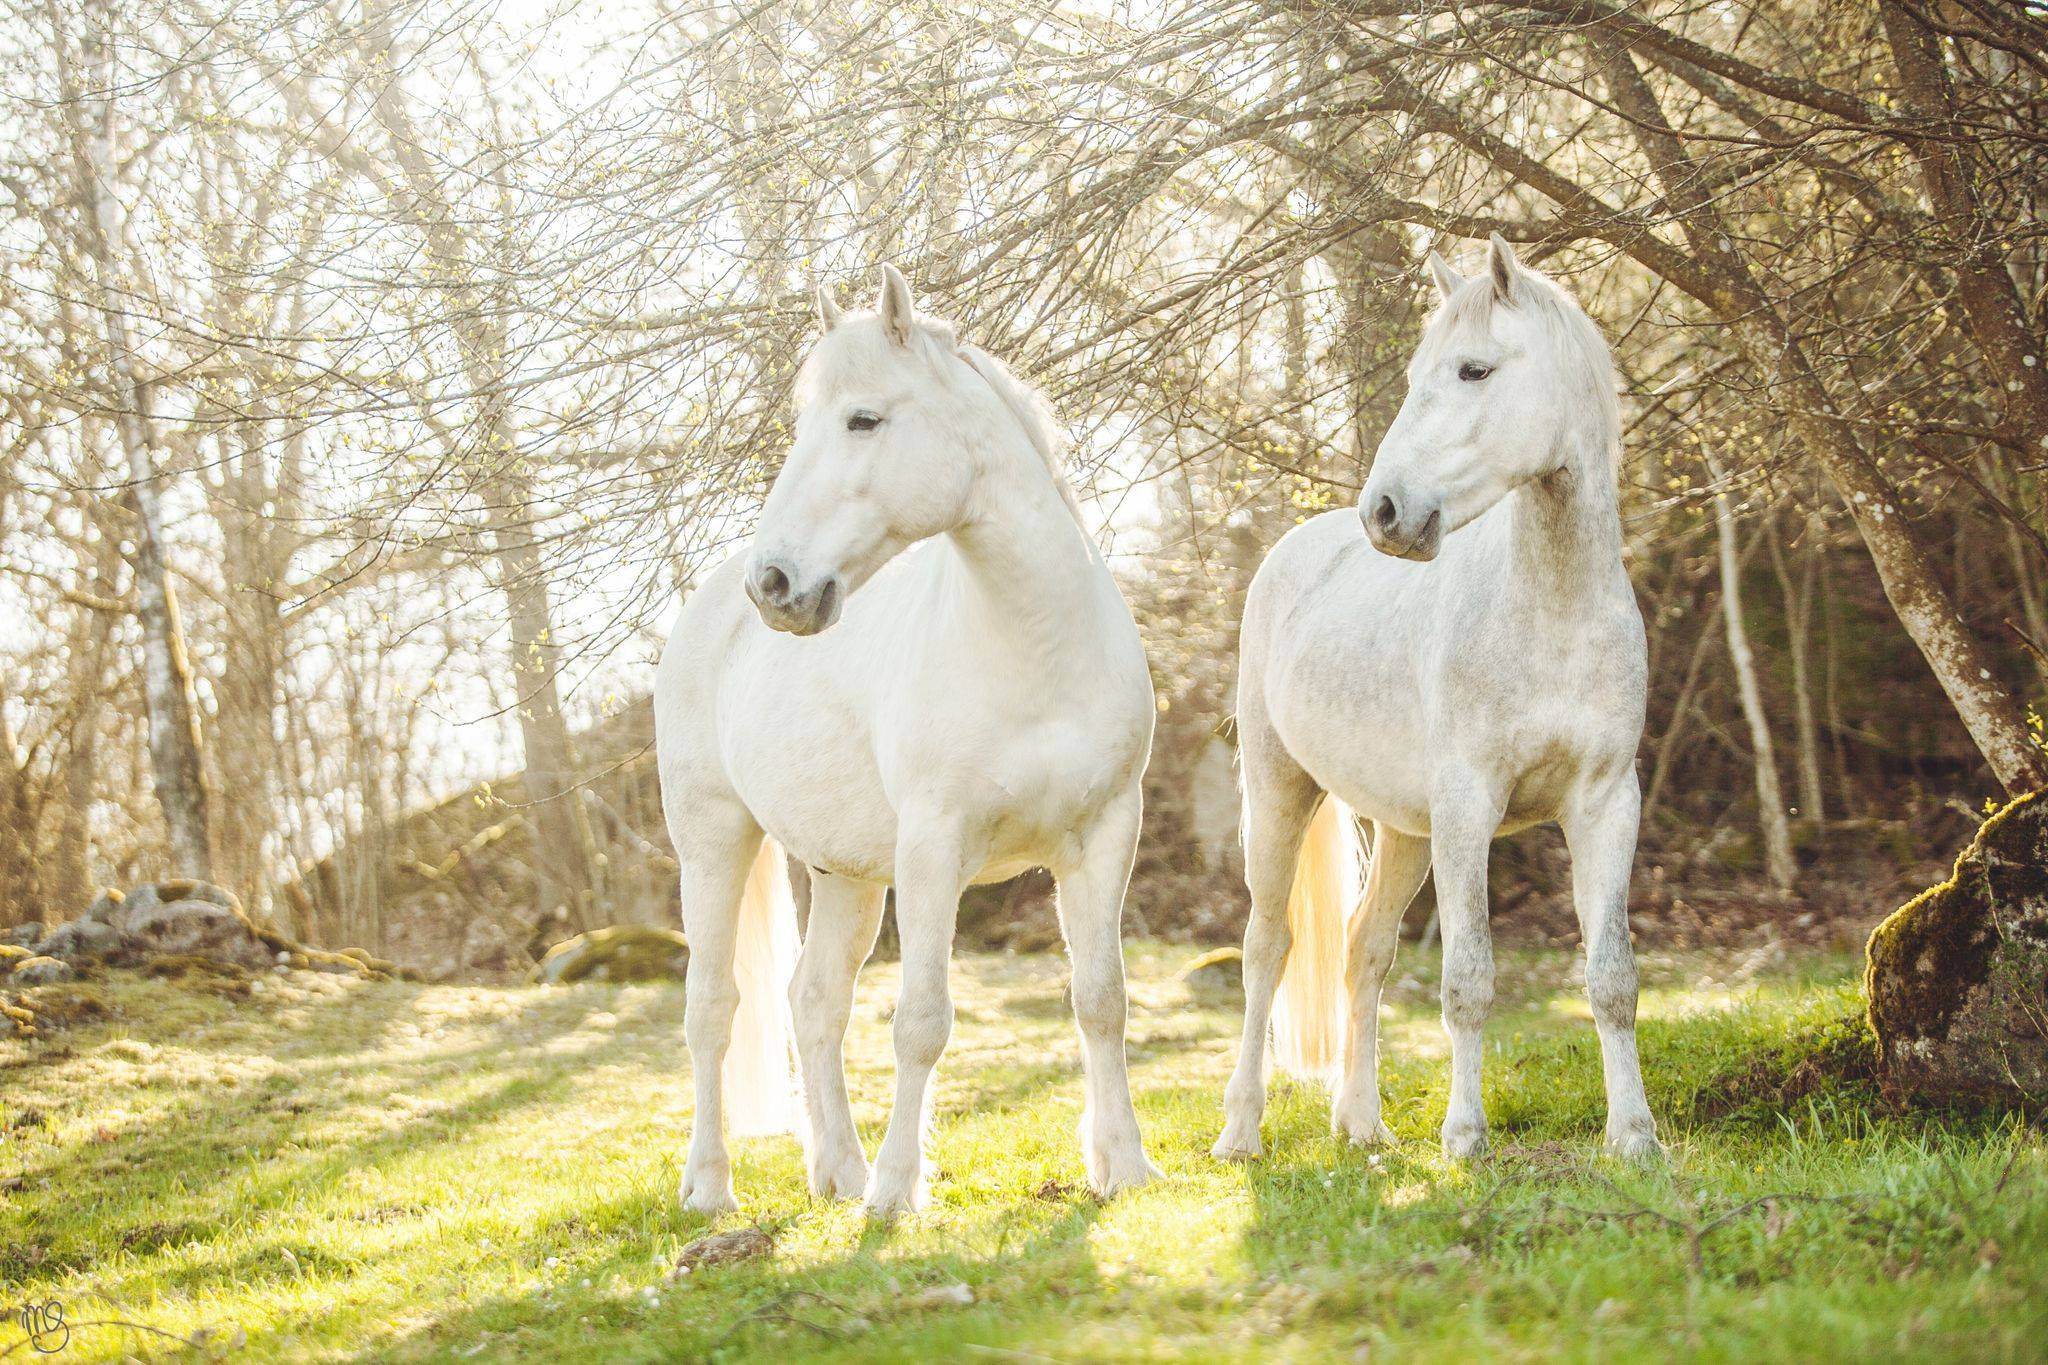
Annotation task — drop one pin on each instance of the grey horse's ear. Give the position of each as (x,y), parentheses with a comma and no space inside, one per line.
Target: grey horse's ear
(894,305)
(1502,267)
(1447,279)
(828,311)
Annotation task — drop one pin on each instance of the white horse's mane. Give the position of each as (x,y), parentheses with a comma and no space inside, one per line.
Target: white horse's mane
(1586,356)
(1033,413)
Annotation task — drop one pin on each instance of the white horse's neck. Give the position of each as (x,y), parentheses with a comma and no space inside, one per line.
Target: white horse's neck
(1035,580)
(1564,530)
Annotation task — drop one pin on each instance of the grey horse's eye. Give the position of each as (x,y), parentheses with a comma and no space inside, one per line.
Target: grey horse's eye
(1472,371)
(863,421)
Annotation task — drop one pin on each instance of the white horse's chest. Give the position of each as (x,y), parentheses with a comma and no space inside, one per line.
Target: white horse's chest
(830,742)
(1386,683)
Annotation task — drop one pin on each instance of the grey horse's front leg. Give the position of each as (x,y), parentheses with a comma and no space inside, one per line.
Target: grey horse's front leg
(1463,817)
(1600,831)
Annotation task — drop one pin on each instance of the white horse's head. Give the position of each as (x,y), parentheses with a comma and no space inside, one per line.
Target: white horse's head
(883,458)
(1509,379)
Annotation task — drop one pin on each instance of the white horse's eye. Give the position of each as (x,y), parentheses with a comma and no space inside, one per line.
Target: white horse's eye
(1472,371)
(863,421)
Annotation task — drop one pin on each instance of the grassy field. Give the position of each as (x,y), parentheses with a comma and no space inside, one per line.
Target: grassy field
(401,1172)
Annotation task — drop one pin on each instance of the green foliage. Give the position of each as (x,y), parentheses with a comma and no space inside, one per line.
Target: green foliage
(382,1170)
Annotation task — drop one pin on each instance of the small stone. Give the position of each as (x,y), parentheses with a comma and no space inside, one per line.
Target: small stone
(943,1296)
(1221,969)
(106,907)
(42,971)
(622,952)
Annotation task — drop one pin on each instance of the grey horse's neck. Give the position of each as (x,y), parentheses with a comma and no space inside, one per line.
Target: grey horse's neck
(1565,527)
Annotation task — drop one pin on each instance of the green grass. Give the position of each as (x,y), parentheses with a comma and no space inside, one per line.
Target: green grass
(449,1172)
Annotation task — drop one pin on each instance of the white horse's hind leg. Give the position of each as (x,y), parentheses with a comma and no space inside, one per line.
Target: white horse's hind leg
(1279,798)
(1091,912)
(928,886)
(845,915)
(1600,831)
(714,875)
(1462,823)
(1399,863)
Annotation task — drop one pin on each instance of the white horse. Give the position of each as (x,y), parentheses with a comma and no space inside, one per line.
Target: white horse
(1467,663)
(983,708)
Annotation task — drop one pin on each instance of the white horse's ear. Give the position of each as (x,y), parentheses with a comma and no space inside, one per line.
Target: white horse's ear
(1447,279)
(894,305)
(1502,267)
(828,311)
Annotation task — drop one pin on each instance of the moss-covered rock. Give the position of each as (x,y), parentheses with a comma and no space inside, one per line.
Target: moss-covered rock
(1958,977)
(623,952)
(11,956)
(40,971)
(1219,969)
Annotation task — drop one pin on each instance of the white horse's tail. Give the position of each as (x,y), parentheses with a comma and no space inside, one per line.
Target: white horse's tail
(760,1082)
(1308,1010)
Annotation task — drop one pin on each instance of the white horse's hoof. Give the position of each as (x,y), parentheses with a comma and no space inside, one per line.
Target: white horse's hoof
(1122,1175)
(1363,1132)
(1640,1149)
(1465,1143)
(841,1178)
(1240,1142)
(709,1196)
(888,1197)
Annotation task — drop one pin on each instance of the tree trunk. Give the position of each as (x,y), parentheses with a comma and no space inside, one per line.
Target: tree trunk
(481,341)
(1798,597)
(1770,802)
(174,739)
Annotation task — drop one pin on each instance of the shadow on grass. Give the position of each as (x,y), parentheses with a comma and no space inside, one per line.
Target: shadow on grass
(161,1187)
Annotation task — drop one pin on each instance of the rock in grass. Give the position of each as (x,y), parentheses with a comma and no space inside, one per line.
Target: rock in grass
(1221,969)
(21,935)
(1958,977)
(40,971)
(193,926)
(723,1248)
(82,940)
(623,952)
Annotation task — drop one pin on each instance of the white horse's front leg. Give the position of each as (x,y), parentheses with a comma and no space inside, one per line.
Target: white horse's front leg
(1399,863)
(1277,807)
(1091,912)
(929,879)
(1463,818)
(845,915)
(1600,831)
(713,877)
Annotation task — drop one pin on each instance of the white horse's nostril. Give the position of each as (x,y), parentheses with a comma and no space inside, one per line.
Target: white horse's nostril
(773,585)
(1384,514)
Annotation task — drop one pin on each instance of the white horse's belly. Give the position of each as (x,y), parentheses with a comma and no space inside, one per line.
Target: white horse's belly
(819,795)
(1363,746)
